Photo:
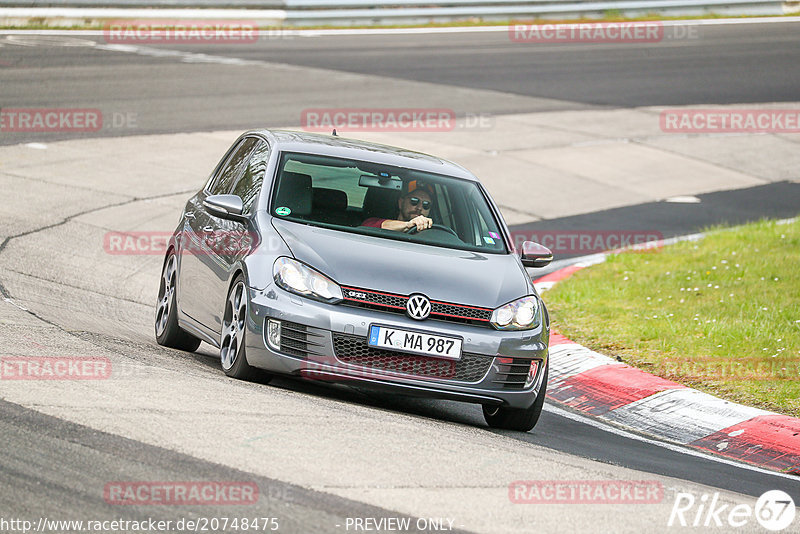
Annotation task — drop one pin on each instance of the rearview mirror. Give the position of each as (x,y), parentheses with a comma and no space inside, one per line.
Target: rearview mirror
(225,206)
(535,255)
(383,182)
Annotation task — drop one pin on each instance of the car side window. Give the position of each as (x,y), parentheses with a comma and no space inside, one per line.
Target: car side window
(234,167)
(249,183)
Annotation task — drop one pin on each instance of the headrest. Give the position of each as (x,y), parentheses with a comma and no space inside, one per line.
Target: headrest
(294,193)
(381,202)
(329,199)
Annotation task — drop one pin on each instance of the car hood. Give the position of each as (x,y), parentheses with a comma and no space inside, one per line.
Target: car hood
(368,262)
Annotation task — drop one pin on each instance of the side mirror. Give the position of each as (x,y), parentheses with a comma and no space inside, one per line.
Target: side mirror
(225,206)
(535,255)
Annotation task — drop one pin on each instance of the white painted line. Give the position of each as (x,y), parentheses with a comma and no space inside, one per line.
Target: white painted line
(570,359)
(682,415)
(133,13)
(241,14)
(601,425)
(686,199)
(543,286)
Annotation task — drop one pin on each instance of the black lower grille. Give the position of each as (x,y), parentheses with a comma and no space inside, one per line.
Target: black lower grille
(355,351)
(511,373)
(295,340)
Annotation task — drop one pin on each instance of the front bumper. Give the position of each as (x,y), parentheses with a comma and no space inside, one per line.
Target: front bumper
(329,342)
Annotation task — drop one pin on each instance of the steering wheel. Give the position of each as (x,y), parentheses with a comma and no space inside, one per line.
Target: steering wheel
(413,229)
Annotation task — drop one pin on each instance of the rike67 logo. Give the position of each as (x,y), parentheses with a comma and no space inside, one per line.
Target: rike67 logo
(774,510)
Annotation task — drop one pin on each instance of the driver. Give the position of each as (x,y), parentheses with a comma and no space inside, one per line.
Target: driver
(413,209)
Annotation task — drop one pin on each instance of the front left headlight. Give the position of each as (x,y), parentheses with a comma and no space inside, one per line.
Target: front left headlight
(521,314)
(301,279)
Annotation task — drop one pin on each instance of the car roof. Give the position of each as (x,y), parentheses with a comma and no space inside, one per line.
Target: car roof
(329,145)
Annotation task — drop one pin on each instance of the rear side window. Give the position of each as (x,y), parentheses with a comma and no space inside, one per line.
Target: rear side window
(234,167)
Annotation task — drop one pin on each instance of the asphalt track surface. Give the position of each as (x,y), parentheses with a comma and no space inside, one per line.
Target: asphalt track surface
(719,65)
(730,64)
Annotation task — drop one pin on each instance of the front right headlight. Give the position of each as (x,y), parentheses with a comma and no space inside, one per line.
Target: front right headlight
(301,279)
(521,314)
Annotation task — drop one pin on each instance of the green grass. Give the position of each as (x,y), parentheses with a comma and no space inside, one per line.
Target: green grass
(721,314)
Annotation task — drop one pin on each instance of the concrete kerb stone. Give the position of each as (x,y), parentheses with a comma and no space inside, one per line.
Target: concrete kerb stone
(599,386)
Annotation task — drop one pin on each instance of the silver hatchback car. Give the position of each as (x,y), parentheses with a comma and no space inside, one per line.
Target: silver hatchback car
(340,260)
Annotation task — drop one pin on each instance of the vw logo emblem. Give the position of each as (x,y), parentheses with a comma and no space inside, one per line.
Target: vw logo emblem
(418,307)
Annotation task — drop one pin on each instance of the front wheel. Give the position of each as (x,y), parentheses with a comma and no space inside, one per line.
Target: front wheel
(232,343)
(517,418)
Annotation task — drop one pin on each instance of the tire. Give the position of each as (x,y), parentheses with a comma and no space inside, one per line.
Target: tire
(232,340)
(517,418)
(168,333)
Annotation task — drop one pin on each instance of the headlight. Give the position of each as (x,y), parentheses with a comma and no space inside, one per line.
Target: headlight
(522,314)
(296,277)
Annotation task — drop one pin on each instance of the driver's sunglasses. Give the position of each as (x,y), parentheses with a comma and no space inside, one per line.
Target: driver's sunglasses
(426,204)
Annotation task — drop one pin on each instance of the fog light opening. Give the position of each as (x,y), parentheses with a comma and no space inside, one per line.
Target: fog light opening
(532,373)
(273,336)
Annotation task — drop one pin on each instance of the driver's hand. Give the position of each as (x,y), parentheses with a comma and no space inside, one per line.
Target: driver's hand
(421,222)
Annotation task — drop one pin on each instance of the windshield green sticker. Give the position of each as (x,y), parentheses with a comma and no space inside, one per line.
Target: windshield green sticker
(283,211)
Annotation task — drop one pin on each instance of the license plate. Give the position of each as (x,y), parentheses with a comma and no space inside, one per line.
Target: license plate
(414,342)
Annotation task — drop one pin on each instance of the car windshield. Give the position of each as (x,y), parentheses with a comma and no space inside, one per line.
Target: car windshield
(356,196)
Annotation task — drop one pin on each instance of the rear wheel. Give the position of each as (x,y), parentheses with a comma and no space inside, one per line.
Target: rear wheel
(168,333)
(516,418)
(232,343)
